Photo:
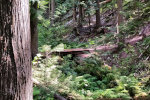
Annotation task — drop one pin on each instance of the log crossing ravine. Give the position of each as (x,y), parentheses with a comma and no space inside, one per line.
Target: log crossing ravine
(84,53)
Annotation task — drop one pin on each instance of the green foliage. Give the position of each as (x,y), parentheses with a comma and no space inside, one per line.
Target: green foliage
(91,78)
(131,27)
(55,35)
(51,36)
(146,41)
(67,66)
(62,7)
(136,13)
(41,94)
(41,7)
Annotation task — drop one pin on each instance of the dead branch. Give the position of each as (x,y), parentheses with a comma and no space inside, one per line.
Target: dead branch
(104,2)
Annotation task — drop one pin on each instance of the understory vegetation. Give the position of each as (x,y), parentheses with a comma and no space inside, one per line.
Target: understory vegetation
(89,80)
(116,74)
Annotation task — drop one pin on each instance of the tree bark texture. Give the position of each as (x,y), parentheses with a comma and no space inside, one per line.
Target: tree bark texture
(80,14)
(98,21)
(119,16)
(15,53)
(75,12)
(34,31)
(52,11)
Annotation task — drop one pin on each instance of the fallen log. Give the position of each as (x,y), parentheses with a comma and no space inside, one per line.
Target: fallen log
(145,32)
(84,52)
(136,38)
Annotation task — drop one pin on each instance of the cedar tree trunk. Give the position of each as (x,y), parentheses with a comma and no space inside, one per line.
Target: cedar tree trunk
(15,53)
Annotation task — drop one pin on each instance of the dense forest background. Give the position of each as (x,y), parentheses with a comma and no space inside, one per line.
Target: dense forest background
(75,49)
(92,49)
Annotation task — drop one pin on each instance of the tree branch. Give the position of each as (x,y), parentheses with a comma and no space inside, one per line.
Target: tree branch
(104,2)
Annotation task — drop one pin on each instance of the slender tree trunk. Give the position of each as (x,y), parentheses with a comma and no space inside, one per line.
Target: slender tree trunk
(15,52)
(89,17)
(75,12)
(34,32)
(80,15)
(52,11)
(138,8)
(98,21)
(119,16)
(83,12)
(47,12)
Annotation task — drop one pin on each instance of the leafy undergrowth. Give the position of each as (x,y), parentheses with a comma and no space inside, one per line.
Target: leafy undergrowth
(60,34)
(91,79)
(106,75)
(126,76)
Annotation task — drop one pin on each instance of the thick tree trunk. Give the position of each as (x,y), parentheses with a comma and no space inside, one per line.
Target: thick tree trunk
(34,32)
(52,11)
(119,16)
(15,52)
(98,21)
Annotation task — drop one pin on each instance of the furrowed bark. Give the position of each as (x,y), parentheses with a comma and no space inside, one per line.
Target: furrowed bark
(15,53)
